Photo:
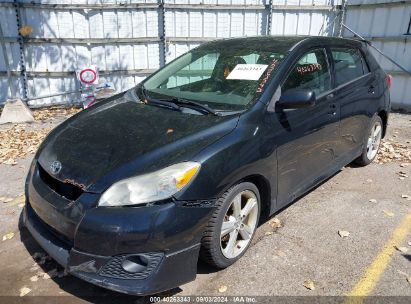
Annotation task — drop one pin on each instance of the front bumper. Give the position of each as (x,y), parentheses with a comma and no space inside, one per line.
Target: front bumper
(166,269)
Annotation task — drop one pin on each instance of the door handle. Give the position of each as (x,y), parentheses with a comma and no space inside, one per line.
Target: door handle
(333,109)
(330,96)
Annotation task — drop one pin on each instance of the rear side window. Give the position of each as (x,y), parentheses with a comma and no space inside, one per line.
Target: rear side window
(348,64)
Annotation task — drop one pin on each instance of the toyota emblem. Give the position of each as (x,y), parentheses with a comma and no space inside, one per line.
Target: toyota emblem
(55,167)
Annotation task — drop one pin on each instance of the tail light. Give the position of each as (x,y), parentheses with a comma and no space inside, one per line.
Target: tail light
(389,80)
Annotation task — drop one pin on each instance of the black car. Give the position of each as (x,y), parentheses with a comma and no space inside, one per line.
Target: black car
(129,193)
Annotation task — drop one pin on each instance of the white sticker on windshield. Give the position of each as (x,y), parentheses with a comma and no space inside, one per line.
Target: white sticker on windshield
(247,71)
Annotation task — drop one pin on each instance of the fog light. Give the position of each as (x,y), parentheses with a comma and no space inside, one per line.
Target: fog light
(131,266)
(135,263)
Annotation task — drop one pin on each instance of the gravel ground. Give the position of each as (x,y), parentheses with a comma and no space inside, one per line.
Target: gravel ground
(306,248)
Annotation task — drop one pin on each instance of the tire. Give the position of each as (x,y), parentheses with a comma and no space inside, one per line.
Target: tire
(371,142)
(217,250)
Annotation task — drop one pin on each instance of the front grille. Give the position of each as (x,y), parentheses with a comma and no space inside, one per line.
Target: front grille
(69,191)
(113,268)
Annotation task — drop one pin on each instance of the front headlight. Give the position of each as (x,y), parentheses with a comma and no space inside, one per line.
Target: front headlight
(150,187)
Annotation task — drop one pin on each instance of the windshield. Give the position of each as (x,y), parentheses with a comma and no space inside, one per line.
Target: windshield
(224,78)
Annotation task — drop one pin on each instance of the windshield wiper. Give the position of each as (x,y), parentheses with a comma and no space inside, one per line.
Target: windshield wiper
(185,102)
(164,103)
(176,103)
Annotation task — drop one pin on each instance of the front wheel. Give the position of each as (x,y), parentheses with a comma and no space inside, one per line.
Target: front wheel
(232,226)
(372,143)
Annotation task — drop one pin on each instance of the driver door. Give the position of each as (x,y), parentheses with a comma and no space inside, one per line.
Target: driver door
(308,137)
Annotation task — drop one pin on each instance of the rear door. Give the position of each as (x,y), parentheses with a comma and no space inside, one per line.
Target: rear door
(308,136)
(355,91)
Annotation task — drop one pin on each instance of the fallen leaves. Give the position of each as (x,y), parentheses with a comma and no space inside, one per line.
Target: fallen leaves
(25,30)
(343,233)
(18,142)
(402,175)
(54,273)
(222,288)
(407,277)
(5,199)
(54,112)
(309,284)
(24,290)
(279,253)
(388,213)
(51,274)
(275,223)
(34,267)
(10,161)
(8,236)
(402,273)
(401,249)
(21,199)
(393,151)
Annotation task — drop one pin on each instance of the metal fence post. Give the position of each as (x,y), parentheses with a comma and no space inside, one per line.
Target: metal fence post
(162,32)
(21,44)
(7,64)
(270,17)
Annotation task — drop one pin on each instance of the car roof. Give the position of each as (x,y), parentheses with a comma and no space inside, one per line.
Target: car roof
(283,43)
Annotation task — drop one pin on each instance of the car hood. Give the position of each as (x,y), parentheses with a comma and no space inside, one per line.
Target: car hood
(119,138)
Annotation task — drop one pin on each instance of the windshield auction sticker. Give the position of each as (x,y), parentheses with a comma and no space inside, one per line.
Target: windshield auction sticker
(247,71)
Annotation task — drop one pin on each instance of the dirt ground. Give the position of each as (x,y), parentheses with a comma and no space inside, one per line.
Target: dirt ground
(372,204)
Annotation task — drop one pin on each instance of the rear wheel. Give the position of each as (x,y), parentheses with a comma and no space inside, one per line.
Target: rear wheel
(232,226)
(372,143)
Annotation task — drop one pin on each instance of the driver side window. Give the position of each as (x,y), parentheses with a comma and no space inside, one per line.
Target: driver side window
(310,73)
(200,69)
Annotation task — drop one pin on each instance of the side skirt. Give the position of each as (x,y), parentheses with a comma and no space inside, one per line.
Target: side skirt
(341,162)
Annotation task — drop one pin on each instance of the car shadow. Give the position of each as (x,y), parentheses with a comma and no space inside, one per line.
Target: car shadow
(353,165)
(267,218)
(204,268)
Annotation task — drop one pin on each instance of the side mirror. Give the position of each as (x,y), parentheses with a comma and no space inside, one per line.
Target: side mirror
(295,99)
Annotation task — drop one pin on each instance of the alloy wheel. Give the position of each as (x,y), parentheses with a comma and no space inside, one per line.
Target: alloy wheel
(374,140)
(239,224)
